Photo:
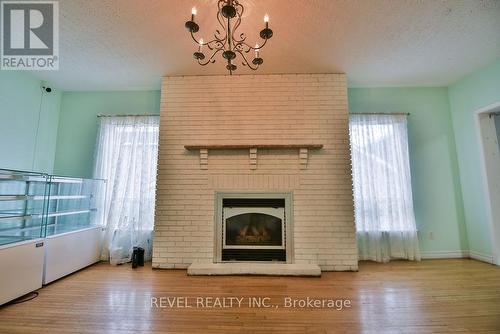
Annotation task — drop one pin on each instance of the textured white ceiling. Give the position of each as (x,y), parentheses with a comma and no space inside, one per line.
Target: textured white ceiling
(130,44)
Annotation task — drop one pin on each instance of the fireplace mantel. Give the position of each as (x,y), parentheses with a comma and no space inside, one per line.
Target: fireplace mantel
(303,151)
(249,146)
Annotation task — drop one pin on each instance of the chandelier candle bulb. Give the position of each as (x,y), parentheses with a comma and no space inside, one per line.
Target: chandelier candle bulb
(256,50)
(266,20)
(193,13)
(200,46)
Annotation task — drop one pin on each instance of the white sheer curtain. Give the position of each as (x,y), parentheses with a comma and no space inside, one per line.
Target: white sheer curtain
(126,156)
(385,220)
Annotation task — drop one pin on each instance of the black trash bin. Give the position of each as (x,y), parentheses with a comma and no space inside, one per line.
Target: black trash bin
(140,256)
(137,257)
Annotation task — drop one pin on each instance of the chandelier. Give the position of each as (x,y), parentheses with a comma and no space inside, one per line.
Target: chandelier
(226,41)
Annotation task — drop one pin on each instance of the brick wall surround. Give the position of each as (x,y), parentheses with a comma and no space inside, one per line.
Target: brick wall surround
(255,109)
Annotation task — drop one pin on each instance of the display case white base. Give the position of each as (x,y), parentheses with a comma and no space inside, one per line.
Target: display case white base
(21,266)
(72,251)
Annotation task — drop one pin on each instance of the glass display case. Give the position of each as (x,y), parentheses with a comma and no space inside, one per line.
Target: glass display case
(73,204)
(37,205)
(22,204)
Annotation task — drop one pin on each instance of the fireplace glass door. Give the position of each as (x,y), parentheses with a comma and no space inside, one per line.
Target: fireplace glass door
(253,228)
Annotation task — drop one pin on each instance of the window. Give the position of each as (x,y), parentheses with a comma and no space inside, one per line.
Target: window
(385,221)
(126,156)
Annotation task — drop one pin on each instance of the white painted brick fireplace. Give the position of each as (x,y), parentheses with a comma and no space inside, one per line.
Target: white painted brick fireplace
(255,134)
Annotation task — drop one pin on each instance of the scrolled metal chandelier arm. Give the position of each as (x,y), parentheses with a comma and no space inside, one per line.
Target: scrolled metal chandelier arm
(218,43)
(239,13)
(246,63)
(211,59)
(229,14)
(249,48)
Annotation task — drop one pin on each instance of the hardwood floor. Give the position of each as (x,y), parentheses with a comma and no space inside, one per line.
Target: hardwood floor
(434,296)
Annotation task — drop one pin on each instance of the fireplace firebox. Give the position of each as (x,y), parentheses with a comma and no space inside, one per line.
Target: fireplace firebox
(253,228)
(246,228)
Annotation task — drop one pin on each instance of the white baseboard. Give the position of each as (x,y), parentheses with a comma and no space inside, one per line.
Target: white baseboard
(457,255)
(481,257)
(444,255)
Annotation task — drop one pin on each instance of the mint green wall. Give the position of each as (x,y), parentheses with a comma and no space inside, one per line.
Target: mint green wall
(435,180)
(442,172)
(78,124)
(437,196)
(497,126)
(476,90)
(68,129)
(20,96)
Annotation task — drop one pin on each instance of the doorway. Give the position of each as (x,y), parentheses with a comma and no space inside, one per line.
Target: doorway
(488,123)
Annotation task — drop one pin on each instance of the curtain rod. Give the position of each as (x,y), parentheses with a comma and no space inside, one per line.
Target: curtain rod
(381,113)
(124,115)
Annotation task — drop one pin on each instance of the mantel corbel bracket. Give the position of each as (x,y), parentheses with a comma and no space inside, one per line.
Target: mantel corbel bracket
(303,157)
(203,158)
(253,158)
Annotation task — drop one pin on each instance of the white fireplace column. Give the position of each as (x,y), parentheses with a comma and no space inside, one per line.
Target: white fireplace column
(284,133)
